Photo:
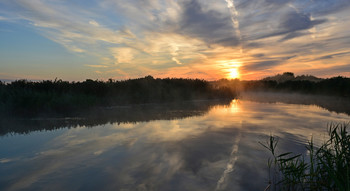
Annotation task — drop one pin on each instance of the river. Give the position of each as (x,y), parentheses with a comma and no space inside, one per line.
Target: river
(198,145)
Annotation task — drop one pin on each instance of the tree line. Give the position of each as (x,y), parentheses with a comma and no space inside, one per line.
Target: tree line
(29,98)
(335,86)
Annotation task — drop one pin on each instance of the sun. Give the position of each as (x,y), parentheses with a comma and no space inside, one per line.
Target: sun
(233,73)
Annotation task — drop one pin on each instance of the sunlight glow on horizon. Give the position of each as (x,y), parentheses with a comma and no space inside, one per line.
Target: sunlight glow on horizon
(230,68)
(204,39)
(234,74)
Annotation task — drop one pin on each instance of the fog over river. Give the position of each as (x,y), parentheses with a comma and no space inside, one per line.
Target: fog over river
(200,145)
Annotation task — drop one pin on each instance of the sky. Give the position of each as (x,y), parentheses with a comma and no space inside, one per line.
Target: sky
(208,39)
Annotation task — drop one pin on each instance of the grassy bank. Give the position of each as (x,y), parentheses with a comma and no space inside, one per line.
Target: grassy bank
(326,167)
(27,98)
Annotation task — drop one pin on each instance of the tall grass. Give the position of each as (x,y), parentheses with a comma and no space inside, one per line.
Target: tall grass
(28,98)
(325,168)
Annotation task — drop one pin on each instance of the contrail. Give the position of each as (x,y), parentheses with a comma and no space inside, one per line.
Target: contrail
(234,17)
(230,165)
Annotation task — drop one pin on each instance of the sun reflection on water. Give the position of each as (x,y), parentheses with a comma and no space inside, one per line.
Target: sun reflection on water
(235,106)
(222,111)
(209,149)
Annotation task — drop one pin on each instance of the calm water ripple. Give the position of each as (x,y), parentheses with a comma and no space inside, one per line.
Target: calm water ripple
(212,147)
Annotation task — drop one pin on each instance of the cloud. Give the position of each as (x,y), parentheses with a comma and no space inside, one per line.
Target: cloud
(159,36)
(278,2)
(331,70)
(6,160)
(210,26)
(261,65)
(123,55)
(325,7)
(341,68)
(3,18)
(97,66)
(330,56)
(292,35)
(94,23)
(292,22)
(176,60)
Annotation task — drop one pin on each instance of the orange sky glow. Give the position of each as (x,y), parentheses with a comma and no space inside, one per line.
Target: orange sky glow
(206,39)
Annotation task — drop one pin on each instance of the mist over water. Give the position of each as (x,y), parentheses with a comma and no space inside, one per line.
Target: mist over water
(332,103)
(204,147)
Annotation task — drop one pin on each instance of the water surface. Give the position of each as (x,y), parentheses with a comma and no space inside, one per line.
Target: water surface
(201,146)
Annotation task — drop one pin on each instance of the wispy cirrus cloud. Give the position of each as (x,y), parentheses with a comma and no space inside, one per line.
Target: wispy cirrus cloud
(131,38)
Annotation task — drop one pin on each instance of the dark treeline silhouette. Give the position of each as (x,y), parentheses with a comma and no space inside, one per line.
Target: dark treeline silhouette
(28,98)
(63,98)
(336,86)
(112,115)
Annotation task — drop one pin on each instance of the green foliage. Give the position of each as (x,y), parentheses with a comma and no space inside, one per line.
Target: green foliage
(29,98)
(326,168)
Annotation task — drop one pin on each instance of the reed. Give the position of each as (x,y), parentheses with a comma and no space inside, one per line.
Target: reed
(30,99)
(325,168)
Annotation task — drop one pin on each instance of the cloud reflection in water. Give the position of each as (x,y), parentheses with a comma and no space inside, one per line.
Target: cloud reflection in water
(216,150)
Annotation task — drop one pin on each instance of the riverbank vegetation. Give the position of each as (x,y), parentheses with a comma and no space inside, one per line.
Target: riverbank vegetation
(287,82)
(29,98)
(324,167)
